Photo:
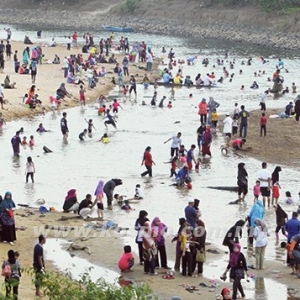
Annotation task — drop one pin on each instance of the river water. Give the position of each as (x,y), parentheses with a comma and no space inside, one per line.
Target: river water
(81,165)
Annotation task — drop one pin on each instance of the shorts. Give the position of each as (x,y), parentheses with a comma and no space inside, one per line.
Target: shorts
(265,192)
(100,206)
(190,165)
(243,189)
(228,134)
(234,130)
(110,122)
(1,100)
(64,132)
(199,140)
(115,110)
(82,97)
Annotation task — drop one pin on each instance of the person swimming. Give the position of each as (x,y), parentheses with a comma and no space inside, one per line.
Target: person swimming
(82,135)
(41,128)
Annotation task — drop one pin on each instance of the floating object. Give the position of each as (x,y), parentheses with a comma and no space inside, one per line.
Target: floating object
(47,150)
(117,29)
(189,186)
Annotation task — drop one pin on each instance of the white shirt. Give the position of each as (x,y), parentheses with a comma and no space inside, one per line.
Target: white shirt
(227,125)
(30,168)
(206,81)
(264,174)
(261,237)
(66,63)
(263,98)
(236,111)
(176,141)
(139,193)
(1,91)
(149,58)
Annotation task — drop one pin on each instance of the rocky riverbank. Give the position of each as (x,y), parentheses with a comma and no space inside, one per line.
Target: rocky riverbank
(247,25)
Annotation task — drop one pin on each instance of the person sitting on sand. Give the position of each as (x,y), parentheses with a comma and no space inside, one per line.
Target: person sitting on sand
(27,40)
(23,70)
(238,144)
(71,203)
(56,60)
(7,84)
(126,261)
(289,109)
(86,206)
(61,92)
(112,59)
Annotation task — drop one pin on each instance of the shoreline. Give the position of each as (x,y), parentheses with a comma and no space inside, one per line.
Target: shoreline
(233,27)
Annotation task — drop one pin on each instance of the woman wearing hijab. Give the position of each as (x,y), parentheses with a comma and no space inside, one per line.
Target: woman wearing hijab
(242,182)
(206,141)
(260,235)
(139,224)
(257,212)
(71,203)
(149,250)
(7,218)
(233,235)
(158,230)
(281,218)
(275,175)
(237,266)
(99,198)
(182,224)
(199,244)
(26,56)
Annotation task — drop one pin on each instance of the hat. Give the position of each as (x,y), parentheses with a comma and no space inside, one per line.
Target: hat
(203,100)
(191,200)
(227,114)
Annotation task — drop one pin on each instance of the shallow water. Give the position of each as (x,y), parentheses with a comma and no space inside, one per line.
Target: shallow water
(81,165)
(75,265)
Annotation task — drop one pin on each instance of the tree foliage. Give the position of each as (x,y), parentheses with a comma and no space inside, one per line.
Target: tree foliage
(132,5)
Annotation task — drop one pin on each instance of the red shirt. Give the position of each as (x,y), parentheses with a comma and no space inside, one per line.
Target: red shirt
(173,165)
(147,159)
(263,120)
(74,36)
(237,142)
(124,261)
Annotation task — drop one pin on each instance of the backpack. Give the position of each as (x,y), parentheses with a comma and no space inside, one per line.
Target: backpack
(6,271)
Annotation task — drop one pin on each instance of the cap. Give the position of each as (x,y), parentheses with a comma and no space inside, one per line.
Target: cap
(203,99)
(191,200)
(227,114)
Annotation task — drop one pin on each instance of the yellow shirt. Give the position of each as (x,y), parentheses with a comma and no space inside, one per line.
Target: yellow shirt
(105,140)
(214,116)
(177,80)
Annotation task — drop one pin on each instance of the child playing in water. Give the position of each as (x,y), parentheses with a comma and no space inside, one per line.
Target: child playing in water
(256,190)
(101,110)
(126,206)
(294,88)
(275,192)
(104,139)
(139,195)
(90,126)
(24,141)
(174,165)
(125,91)
(126,261)
(170,104)
(99,198)
(82,95)
(82,135)
(30,169)
(190,96)
(214,118)
(289,199)
(2,121)
(115,106)
(197,165)
(111,120)
(31,141)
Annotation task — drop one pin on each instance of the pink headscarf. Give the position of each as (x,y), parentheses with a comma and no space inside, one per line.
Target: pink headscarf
(71,194)
(99,188)
(234,256)
(158,230)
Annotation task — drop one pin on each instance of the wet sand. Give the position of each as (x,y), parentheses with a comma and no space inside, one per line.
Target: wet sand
(49,78)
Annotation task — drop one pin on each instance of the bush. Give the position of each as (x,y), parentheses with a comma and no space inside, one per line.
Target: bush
(131,5)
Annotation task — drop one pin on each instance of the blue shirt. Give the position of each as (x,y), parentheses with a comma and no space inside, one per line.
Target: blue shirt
(189,155)
(166,78)
(191,215)
(182,174)
(292,226)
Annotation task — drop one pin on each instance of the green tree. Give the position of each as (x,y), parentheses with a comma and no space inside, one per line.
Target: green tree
(132,5)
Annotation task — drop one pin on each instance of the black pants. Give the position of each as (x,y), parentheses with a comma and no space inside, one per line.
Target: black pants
(230,248)
(149,171)
(125,71)
(31,176)
(68,46)
(109,197)
(149,265)
(163,256)
(263,129)
(297,115)
(237,286)
(177,261)
(203,119)
(187,263)
(197,264)
(14,284)
(278,227)
(132,88)
(173,172)
(174,151)
(140,246)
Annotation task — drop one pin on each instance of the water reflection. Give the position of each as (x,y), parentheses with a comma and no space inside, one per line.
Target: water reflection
(260,289)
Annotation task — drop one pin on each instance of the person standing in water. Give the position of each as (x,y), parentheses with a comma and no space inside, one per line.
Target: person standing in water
(30,169)
(148,162)
(176,142)
(64,126)
(111,120)
(16,142)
